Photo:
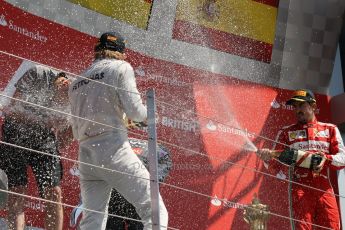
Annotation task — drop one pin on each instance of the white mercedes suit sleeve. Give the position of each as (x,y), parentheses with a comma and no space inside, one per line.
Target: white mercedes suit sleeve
(129,96)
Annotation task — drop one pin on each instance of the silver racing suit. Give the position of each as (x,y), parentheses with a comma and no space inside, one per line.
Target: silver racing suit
(98,104)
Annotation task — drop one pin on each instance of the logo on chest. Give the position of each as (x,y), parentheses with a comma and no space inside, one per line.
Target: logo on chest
(322,133)
(298,134)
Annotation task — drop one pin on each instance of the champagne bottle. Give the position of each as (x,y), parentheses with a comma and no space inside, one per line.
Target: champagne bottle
(298,157)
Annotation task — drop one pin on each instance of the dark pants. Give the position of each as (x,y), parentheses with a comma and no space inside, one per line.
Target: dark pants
(118,205)
(14,161)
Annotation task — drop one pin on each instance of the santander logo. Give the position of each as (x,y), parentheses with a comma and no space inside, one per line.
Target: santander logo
(36,35)
(215,201)
(3,21)
(282,105)
(275,104)
(211,126)
(140,71)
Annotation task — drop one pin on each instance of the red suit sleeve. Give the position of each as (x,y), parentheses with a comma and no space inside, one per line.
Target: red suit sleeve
(336,150)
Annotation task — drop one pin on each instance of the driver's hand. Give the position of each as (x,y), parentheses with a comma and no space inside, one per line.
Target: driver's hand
(317,169)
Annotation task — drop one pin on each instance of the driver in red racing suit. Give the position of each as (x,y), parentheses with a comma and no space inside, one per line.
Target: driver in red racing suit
(315,203)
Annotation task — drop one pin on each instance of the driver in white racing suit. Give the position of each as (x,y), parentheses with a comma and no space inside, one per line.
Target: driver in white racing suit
(98,103)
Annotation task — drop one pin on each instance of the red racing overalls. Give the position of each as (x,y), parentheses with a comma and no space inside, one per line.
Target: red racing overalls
(313,199)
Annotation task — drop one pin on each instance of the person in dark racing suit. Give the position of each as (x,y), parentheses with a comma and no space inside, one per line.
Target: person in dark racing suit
(40,129)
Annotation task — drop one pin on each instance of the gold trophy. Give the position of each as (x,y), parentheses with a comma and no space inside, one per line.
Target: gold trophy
(256,214)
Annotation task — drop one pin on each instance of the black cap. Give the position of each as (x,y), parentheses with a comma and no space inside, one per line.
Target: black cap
(111,41)
(302,95)
(62,74)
